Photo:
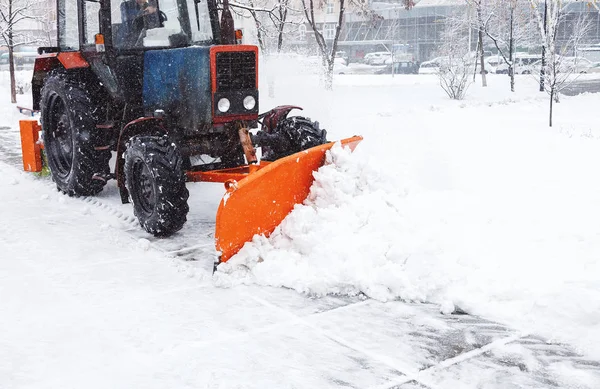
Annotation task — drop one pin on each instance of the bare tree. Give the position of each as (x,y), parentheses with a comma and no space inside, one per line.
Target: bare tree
(282,16)
(260,30)
(558,68)
(13,14)
(271,20)
(327,52)
(480,7)
(507,26)
(594,3)
(454,71)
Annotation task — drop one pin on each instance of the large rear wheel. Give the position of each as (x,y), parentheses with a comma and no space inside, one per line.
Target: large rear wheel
(155,179)
(68,118)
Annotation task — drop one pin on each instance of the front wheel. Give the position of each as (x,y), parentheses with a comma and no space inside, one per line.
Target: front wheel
(155,179)
(291,135)
(69,119)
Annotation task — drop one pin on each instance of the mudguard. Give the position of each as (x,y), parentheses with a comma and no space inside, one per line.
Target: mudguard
(259,202)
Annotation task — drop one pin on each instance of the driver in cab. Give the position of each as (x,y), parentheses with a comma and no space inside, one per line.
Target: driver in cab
(138,16)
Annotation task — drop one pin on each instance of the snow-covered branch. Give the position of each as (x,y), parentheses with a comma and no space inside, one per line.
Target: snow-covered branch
(271,19)
(557,69)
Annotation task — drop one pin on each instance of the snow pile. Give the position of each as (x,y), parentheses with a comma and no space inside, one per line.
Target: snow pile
(352,235)
(504,252)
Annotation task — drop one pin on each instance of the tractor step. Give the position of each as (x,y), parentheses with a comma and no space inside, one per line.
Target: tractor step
(104,177)
(105,126)
(107,147)
(24,110)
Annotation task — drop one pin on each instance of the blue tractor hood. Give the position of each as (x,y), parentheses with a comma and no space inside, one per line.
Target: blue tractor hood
(178,82)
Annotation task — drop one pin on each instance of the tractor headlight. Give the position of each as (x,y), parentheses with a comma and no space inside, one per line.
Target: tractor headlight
(249,102)
(223,105)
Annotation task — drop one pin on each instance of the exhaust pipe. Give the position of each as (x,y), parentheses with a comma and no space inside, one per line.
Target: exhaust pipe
(227,27)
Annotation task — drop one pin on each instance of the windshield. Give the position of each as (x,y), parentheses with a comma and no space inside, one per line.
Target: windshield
(160,23)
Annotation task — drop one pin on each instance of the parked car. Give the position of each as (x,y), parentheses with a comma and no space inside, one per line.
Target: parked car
(340,67)
(432,66)
(573,65)
(377,58)
(342,55)
(404,67)
(576,65)
(488,68)
(523,64)
(494,62)
(595,68)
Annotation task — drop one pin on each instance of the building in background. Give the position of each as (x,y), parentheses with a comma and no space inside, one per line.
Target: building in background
(386,26)
(389,24)
(420,27)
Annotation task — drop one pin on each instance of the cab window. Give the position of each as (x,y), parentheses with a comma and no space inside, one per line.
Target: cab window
(68,28)
(159,23)
(92,21)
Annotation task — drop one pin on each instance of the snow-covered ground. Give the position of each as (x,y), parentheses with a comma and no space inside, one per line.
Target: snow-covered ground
(476,205)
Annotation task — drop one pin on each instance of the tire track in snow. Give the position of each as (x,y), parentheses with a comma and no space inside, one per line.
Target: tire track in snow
(183,252)
(175,247)
(420,379)
(494,349)
(407,371)
(129,223)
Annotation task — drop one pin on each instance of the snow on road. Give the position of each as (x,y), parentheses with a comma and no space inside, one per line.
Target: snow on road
(84,304)
(475,204)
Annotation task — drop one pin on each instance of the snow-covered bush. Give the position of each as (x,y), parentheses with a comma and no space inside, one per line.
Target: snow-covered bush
(454,78)
(23,81)
(23,87)
(454,69)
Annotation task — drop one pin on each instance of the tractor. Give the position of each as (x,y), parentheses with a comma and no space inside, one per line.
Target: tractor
(167,88)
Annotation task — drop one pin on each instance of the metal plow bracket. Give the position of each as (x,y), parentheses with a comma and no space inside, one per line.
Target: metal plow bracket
(260,202)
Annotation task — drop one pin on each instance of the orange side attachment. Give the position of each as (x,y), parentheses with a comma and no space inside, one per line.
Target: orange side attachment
(259,203)
(32,156)
(72,60)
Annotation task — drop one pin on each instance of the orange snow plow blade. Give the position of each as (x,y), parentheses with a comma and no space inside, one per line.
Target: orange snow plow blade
(259,202)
